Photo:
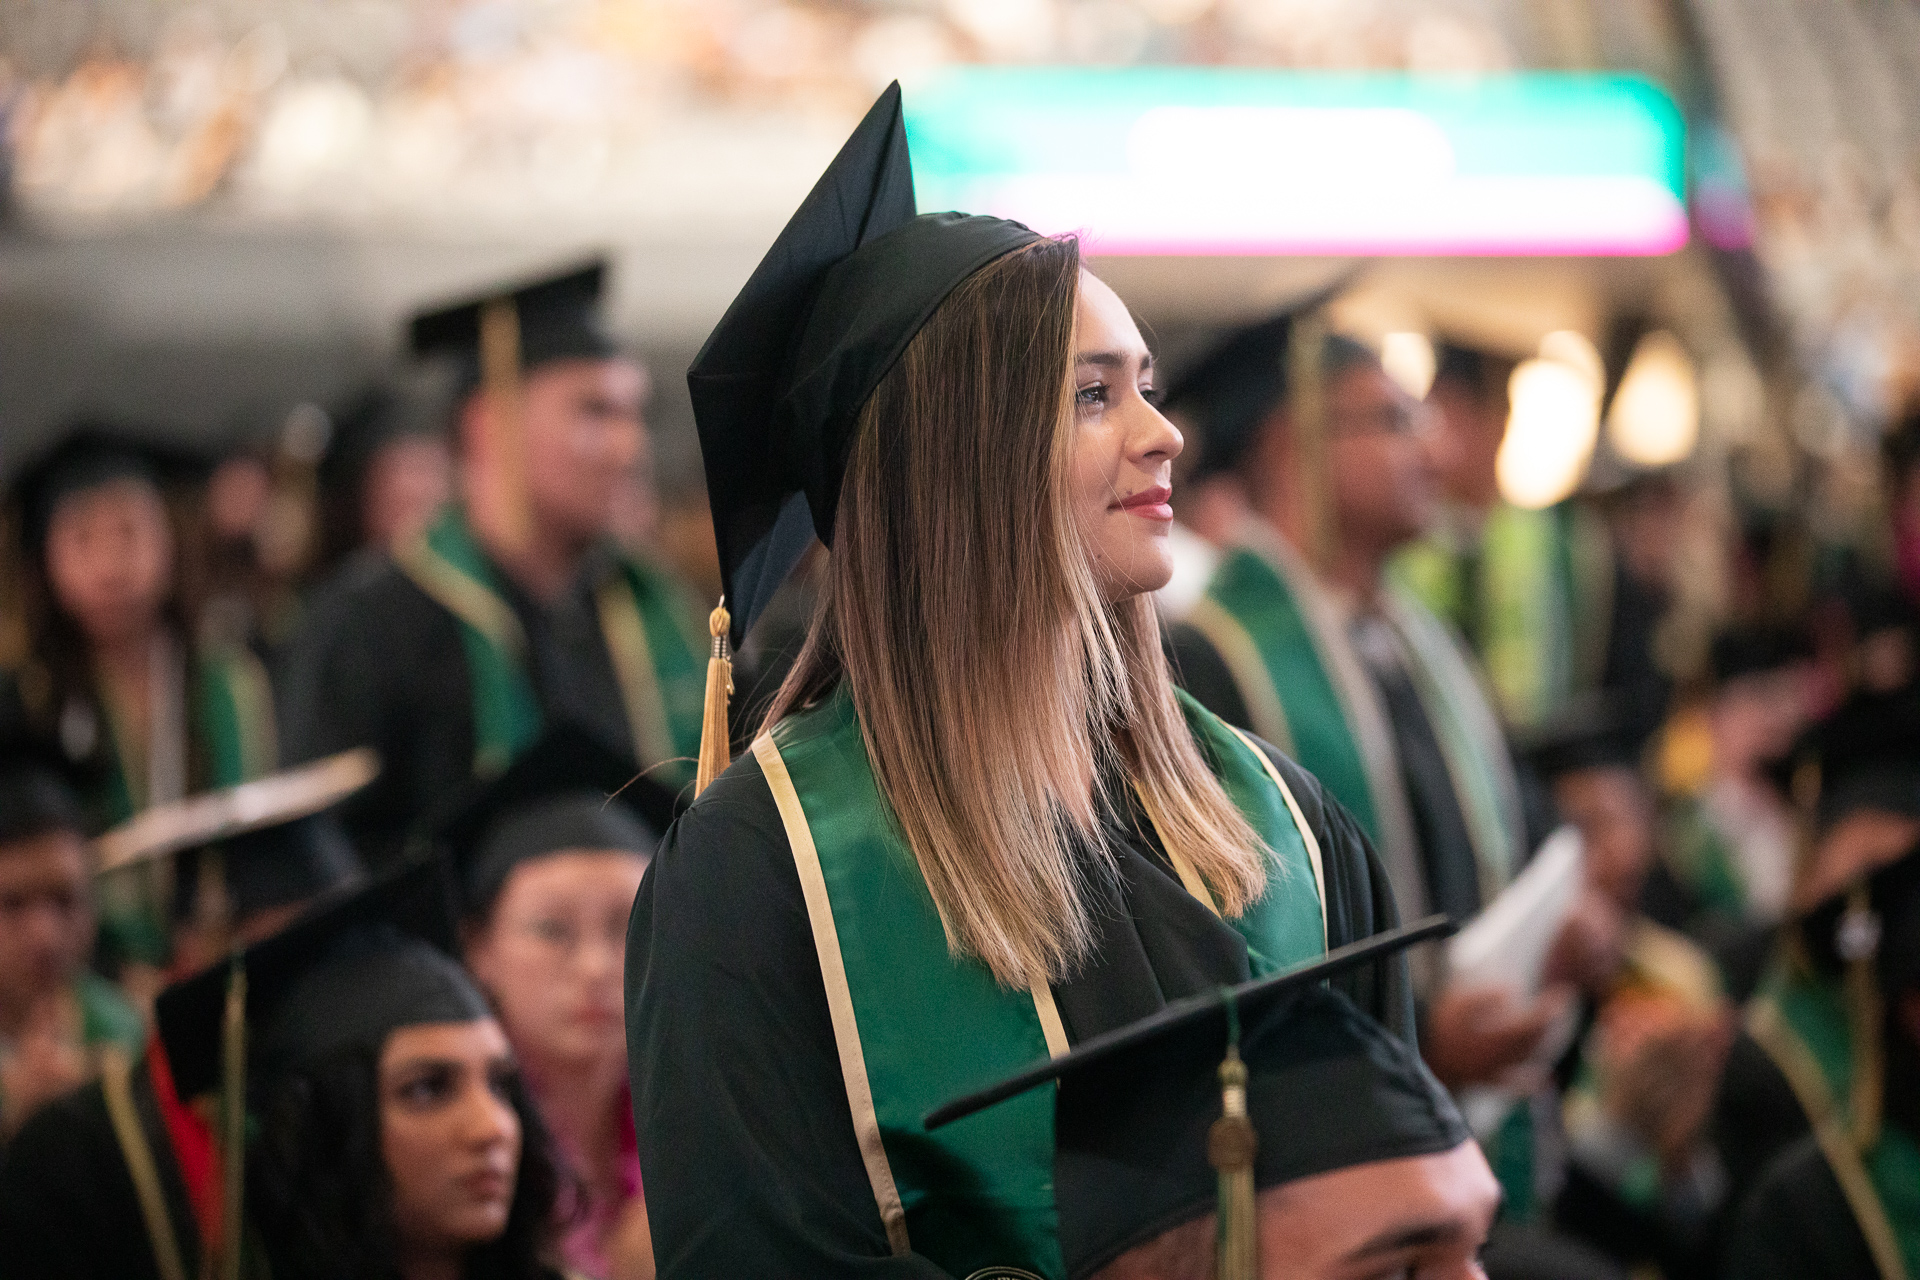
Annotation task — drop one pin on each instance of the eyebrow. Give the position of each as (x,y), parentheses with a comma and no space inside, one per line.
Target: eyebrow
(1416,1236)
(1113,359)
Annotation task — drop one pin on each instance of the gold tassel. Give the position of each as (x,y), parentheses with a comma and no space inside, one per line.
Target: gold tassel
(233,1121)
(1307,411)
(715,747)
(510,511)
(1866,1012)
(1231,1144)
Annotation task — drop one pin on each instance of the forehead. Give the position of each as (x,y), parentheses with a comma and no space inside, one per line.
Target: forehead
(1103,322)
(108,496)
(481,1038)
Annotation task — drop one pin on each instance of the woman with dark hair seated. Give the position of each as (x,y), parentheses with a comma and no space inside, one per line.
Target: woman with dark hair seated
(391,1134)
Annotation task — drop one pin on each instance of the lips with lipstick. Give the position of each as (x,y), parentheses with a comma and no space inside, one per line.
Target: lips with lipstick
(1151,504)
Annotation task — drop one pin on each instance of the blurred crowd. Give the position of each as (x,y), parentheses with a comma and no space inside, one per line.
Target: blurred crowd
(201,645)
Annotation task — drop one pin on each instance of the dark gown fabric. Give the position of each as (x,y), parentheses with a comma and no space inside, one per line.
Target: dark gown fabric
(1756,1116)
(746,1140)
(380,663)
(1797,1225)
(68,1207)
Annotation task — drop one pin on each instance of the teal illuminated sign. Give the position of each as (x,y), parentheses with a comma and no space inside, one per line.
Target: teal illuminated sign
(1228,161)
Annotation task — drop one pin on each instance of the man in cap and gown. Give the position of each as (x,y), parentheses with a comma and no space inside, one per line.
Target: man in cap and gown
(784,1140)
(515,608)
(1302,638)
(123,1178)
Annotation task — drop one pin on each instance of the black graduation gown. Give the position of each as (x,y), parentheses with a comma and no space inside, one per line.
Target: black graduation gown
(1797,1225)
(68,1207)
(380,663)
(746,1140)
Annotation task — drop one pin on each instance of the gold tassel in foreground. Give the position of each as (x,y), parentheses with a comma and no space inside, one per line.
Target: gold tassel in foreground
(233,1121)
(1231,1143)
(715,747)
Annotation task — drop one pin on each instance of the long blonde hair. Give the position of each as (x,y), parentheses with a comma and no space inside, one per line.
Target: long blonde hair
(993,685)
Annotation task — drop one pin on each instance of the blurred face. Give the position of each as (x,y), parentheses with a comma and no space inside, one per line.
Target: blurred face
(553,955)
(1609,806)
(1467,430)
(449,1134)
(1421,1218)
(407,481)
(110,558)
(46,916)
(1385,485)
(1123,449)
(1757,717)
(584,435)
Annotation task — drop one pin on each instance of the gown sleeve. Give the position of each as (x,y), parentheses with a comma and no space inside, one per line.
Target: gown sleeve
(746,1139)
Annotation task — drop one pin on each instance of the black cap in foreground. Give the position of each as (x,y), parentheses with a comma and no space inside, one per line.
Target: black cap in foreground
(778,387)
(344,975)
(568,791)
(1326,1088)
(558,315)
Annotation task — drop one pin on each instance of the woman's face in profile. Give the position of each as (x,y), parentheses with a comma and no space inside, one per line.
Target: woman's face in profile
(1123,449)
(449,1134)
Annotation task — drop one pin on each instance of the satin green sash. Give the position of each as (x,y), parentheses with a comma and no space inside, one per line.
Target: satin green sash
(915,1026)
(657,655)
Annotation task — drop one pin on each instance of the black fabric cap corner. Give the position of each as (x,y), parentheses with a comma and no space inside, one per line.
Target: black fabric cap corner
(91,453)
(559,318)
(778,386)
(407,909)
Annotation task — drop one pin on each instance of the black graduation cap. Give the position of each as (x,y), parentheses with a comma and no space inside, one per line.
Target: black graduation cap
(1326,1088)
(344,975)
(39,788)
(264,843)
(1594,730)
(1756,648)
(1868,751)
(558,314)
(1229,391)
(780,382)
(567,791)
(88,455)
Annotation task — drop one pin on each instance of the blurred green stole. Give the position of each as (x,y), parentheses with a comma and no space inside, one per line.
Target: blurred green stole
(916,1026)
(658,660)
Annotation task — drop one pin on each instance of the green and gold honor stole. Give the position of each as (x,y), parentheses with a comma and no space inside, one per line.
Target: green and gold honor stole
(1287,648)
(657,659)
(235,705)
(916,1026)
(1811,1027)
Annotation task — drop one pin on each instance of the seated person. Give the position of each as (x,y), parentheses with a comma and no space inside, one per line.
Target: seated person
(1843,1203)
(72,1203)
(547,859)
(54,1013)
(1320,1147)
(389,1132)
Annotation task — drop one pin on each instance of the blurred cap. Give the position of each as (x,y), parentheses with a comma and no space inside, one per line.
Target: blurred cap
(1327,1088)
(344,976)
(90,455)
(778,387)
(1868,751)
(558,314)
(568,791)
(1594,730)
(261,844)
(1757,648)
(38,791)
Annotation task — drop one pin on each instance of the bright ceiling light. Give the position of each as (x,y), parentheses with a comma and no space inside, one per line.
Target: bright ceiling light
(1409,361)
(1554,425)
(1655,418)
(1571,347)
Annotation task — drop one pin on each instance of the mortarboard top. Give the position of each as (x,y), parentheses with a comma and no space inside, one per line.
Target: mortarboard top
(90,454)
(558,315)
(568,791)
(1868,751)
(342,976)
(277,843)
(38,786)
(1230,390)
(1327,1088)
(779,385)
(1594,730)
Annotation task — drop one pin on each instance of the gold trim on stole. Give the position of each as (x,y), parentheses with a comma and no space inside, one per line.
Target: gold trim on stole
(115,1085)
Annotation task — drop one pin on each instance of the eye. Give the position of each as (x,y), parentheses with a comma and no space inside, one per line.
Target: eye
(1153,396)
(500,1078)
(555,932)
(429,1087)
(1092,397)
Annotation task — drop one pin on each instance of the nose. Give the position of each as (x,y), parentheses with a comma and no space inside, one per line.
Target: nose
(602,954)
(488,1120)
(1152,437)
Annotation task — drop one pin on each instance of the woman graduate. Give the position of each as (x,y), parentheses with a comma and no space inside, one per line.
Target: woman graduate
(980,825)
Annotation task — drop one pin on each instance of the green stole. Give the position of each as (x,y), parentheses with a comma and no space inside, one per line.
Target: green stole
(658,657)
(916,1026)
(1806,1023)
(1287,648)
(1701,859)
(1544,577)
